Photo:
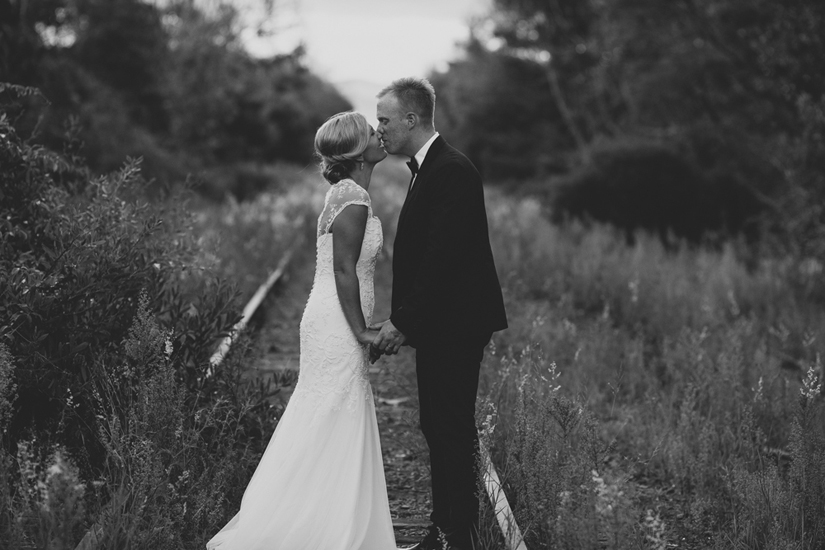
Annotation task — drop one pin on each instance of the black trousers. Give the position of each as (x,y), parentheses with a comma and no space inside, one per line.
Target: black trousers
(447,386)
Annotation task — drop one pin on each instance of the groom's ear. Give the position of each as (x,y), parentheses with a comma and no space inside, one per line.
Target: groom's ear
(411,119)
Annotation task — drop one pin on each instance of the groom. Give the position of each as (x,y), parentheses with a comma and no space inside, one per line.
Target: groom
(446,300)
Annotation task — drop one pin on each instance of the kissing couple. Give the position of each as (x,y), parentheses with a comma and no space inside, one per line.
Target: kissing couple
(320,483)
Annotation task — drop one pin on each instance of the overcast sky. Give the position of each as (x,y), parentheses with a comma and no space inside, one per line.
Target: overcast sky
(364,44)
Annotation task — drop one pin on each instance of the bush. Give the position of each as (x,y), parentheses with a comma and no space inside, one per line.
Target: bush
(639,185)
(108,317)
(74,259)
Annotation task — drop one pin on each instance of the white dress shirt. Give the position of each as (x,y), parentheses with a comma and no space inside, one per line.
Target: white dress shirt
(421,154)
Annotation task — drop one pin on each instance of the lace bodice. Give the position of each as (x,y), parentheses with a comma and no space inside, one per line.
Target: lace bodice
(333,365)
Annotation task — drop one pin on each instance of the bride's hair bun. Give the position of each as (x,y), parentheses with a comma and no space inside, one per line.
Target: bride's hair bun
(336,171)
(340,143)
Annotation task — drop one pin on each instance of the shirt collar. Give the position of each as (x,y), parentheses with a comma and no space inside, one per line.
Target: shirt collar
(422,153)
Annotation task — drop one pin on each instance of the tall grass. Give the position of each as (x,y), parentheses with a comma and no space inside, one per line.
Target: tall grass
(671,384)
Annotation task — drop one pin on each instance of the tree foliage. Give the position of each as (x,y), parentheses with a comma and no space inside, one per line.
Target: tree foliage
(169,82)
(734,87)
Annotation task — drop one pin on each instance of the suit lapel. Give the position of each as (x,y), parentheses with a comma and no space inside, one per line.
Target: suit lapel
(422,177)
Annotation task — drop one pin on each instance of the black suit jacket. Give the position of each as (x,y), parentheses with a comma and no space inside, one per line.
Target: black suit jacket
(445,287)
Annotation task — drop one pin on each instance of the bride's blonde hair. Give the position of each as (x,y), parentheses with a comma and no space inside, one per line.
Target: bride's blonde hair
(340,143)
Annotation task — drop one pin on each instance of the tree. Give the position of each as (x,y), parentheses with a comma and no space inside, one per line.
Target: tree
(554,35)
(733,86)
(124,45)
(497,109)
(166,81)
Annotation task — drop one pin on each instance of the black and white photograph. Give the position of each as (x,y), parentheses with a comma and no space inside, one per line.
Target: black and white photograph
(412,275)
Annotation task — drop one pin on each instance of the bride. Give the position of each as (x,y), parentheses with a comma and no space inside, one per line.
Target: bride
(320,483)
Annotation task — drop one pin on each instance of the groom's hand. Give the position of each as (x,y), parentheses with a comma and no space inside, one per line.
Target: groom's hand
(377,326)
(375,355)
(389,339)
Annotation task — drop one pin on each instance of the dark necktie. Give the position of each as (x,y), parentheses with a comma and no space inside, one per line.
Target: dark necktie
(413,166)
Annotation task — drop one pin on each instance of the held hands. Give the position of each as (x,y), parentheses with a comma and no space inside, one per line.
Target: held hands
(366,338)
(388,341)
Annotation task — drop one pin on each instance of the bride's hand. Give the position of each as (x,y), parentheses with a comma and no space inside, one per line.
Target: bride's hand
(367,336)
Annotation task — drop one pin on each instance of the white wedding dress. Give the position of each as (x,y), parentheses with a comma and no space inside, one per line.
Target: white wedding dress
(320,483)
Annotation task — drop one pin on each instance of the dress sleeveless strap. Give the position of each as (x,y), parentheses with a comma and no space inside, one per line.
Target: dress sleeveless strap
(342,194)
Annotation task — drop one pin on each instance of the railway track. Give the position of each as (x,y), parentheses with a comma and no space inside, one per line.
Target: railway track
(278,305)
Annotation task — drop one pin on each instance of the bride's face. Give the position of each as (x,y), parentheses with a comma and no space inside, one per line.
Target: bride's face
(374,152)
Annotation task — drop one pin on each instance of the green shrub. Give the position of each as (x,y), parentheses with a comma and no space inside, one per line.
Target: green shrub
(637,185)
(109,313)
(74,259)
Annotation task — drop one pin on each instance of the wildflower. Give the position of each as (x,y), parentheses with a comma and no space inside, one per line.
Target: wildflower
(488,426)
(654,528)
(168,349)
(552,377)
(55,469)
(607,495)
(812,385)
(633,285)
(442,539)
(70,399)
(757,392)
(522,383)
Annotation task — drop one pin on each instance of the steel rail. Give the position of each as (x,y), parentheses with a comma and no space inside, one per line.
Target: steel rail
(248,311)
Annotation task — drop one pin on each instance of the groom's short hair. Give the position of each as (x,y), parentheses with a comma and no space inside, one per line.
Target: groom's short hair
(414,94)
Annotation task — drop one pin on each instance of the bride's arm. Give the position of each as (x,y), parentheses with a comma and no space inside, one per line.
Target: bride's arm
(347,237)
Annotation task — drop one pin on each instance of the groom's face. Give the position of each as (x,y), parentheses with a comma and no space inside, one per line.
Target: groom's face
(392,125)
